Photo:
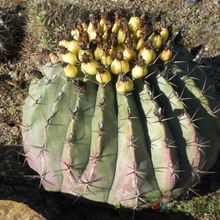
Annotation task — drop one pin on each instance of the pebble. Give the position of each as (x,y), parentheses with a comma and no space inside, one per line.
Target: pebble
(216,2)
(10,209)
(191,2)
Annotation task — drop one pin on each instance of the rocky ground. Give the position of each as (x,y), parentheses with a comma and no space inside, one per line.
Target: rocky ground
(40,25)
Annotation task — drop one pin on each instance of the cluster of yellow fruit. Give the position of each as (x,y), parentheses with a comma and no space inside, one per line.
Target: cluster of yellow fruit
(112,44)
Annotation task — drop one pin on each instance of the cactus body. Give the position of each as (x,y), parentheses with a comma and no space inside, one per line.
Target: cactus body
(132,148)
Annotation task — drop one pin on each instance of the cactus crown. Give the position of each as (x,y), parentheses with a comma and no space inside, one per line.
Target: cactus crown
(124,121)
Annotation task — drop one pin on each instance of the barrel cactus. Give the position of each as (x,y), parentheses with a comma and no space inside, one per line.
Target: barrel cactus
(124,118)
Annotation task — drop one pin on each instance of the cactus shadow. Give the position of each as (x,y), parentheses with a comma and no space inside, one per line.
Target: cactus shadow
(211,182)
(213,71)
(19,183)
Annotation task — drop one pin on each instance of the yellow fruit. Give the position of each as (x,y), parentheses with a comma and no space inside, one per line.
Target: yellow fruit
(102,22)
(103,25)
(148,55)
(98,52)
(103,78)
(73,46)
(112,51)
(129,54)
(105,36)
(69,57)
(138,33)
(115,27)
(85,26)
(134,41)
(91,31)
(90,27)
(82,52)
(139,71)
(151,36)
(92,35)
(106,60)
(164,33)
(70,70)
(121,36)
(134,23)
(116,67)
(119,66)
(166,55)
(157,41)
(119,49)
(63,43)
(125,66)
(124,85)
(89,68)
(75,34)
(140,45)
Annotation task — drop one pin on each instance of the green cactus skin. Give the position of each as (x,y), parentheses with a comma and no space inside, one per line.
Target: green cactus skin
(131,149)
(159,135)
(134,177)
(77,148)
(202,110)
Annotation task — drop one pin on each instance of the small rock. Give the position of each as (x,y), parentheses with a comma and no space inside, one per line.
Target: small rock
(191,2)
(216,2)
(16,210)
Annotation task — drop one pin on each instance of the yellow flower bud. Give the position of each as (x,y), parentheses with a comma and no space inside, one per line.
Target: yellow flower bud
(134,23)
(166,55)
(129,54)
(139,71)
(73,46)
(70,70)
(63,43)
(106,60)
(124,85)
(121,36)
(148,55)
(140,45)
(82,52)
(164,33)
(98,52)
(119,66)
(103,78)
(69,57)
(75,34)
(89,68)
(157,41)
(115,27)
